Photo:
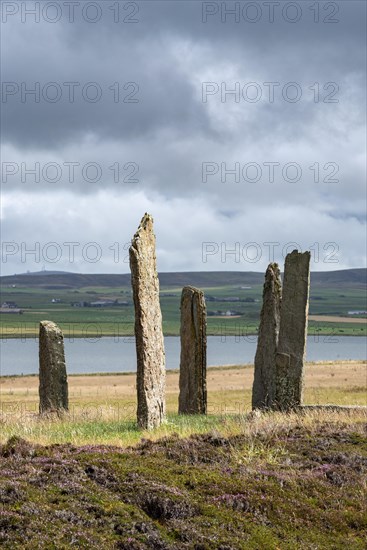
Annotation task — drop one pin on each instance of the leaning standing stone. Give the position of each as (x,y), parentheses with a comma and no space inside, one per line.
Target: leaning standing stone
(53,383)
(264,386)
(151,372)
(193,397)
(293,330)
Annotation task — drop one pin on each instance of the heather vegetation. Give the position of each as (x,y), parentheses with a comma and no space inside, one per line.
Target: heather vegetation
(245,482)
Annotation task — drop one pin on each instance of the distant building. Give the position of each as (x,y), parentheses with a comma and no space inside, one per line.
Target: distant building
(9,304)
(102,303)
(13,310)
(357,312)
(228,313)
(223,299)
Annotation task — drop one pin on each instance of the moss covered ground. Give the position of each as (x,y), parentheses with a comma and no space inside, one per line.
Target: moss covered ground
(270,481)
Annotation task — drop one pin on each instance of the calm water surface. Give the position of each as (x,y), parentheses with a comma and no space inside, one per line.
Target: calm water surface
(118,355)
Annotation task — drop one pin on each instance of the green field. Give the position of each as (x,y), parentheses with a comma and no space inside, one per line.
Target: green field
(332,296)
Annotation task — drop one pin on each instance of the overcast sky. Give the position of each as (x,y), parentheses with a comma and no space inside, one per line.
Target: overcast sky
(132,112)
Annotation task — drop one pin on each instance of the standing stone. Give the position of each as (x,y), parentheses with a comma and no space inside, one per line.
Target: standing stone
(53,383)
(193,396)
(293,330)
(264,386)
(151,374)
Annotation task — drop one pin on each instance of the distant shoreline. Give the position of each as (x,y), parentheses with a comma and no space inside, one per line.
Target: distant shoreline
(34,335)
(212,368)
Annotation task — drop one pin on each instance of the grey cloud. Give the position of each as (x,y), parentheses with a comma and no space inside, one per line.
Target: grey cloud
(105,53)
(170,132)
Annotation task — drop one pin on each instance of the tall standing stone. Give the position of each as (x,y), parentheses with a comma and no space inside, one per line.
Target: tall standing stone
(53,384)
(193,396)
(293,330)
(151,374)
(264,386)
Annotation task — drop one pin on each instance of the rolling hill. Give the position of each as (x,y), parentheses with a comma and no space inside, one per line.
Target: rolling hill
(346,278)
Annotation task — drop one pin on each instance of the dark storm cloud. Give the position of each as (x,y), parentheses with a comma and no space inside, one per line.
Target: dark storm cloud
(106,53)
(113,92)
(168,135)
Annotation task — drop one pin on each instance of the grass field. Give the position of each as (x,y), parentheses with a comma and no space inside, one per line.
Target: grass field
(101,405)
(329,305)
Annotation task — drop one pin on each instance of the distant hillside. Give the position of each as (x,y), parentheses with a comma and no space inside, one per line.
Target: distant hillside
(355,278)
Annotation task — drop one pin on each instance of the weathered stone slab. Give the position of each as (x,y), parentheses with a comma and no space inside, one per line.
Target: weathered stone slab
(264,386)
(293,330)
(151,372)
(193,395)
(282,375)
(53,384)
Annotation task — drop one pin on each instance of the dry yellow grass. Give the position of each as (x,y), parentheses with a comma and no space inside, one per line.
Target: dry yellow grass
(345,374)
(98,415)
(229,388)
(335,319)
(102,425)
